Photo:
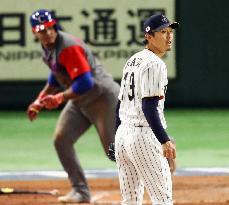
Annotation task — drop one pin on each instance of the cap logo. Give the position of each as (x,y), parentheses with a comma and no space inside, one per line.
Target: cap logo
(164,19)
(147,29)
(41,19)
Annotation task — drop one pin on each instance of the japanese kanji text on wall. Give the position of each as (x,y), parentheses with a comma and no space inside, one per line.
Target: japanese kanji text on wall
(111,28)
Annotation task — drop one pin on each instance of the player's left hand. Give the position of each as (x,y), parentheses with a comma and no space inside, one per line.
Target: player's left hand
(52,101)
(169,150)
(172,162)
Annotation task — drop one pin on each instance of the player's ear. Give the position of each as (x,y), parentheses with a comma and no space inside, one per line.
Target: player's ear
(147,36)
(35,36)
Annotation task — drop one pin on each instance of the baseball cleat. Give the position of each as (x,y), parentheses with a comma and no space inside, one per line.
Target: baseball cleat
(73,197)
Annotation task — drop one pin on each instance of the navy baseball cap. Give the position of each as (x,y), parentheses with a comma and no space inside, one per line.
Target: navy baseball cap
(42,19)
(158,22)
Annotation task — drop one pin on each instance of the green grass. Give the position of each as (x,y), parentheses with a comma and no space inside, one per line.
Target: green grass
(201,138)
(26,145)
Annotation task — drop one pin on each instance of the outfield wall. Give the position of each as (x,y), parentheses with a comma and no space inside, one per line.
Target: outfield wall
(202,54)
(198,68)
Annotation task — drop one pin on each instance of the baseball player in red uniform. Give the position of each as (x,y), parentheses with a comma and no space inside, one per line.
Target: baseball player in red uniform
(141,143)
(77,79)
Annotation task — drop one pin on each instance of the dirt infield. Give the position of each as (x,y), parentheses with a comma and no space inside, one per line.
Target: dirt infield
(188,190)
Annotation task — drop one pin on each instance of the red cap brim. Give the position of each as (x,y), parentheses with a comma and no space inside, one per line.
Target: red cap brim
(41,27)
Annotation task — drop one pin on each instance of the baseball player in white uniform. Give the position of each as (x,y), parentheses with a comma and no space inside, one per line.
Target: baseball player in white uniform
(142,144)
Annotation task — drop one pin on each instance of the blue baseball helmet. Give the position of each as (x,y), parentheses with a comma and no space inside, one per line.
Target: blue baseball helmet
(42,19)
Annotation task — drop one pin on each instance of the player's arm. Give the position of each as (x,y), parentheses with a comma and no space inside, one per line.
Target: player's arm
(51,87)
(149,107)
(80,86)
(74,60)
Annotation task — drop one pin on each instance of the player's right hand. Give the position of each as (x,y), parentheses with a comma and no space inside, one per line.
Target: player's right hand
(169,150)
(34,109)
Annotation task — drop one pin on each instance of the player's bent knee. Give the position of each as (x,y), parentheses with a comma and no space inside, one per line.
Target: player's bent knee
(61,140)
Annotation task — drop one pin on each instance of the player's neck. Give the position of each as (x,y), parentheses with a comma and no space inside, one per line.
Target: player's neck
(155,51)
